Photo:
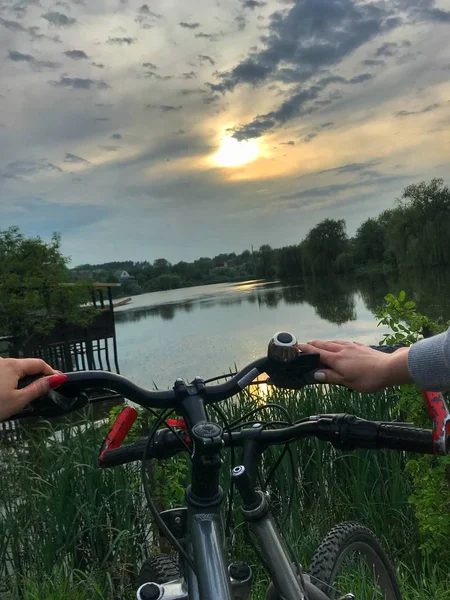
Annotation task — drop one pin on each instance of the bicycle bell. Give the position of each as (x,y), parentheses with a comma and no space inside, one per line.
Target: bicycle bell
(282,347)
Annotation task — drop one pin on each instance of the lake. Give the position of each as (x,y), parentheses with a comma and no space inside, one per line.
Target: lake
(206,330)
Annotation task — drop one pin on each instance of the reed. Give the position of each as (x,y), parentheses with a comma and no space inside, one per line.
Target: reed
(71,530)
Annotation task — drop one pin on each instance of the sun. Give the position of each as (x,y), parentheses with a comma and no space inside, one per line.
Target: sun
(233,153)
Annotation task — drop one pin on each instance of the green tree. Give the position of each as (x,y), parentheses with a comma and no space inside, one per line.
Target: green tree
(265,267)
(417,230)
(323,244)
(289,262)
(369,243)
(161,266)
(167,281)
(35,290)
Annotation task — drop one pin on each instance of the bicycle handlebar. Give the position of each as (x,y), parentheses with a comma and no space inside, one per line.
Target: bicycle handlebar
(286,367)
(294,374)
(343,431)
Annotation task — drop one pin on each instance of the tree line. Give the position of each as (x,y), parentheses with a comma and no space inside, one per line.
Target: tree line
(413,235)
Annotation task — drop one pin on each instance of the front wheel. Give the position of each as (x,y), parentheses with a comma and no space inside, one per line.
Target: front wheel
(351,560)
(159,568)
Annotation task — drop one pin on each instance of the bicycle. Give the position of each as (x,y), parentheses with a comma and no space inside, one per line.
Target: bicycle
(196,531)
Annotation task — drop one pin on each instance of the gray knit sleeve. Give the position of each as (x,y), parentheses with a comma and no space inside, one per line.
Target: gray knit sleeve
(429,362)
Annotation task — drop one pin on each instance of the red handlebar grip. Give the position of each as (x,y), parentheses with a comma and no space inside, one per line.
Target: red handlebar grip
(119,430)
(438,411)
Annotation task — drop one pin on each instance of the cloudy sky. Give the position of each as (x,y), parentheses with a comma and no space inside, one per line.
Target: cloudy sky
(184,129)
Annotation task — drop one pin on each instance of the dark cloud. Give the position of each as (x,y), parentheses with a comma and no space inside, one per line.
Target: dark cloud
(290,143)
(190,75)
(59,19)
(352,167)
(152,74)
(241,22)
(446,68)
(437,15)
(121,41)
(211,99)
(392,48)
(296,105)
(149,65)
(189,25)
(78,83)
(165,107)
(407,113)
(310,136)
(191,92)
(33,31)
(333,189)
(27,168)
(252,4)
(180,132)
(98,65)
(408,57)
(74,159)
(371,62)
(76,54)
(308,37)
(145,10)
(36,65)
(205,58)
(360,78)
(212,37)
(110,148)
(13,25)
(116,136)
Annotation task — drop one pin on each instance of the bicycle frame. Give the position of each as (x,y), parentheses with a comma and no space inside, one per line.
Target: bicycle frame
(205,536)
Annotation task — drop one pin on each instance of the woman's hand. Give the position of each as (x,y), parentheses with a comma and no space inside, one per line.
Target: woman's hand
(13,400)
(359,367)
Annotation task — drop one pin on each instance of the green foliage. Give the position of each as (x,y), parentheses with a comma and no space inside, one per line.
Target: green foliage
(323,244)
(75,531)
(289,262)
(61,515)
(368,243)
(406,323)
(167,479)
(34,293)
(417,229)
(430,474)
(412,236)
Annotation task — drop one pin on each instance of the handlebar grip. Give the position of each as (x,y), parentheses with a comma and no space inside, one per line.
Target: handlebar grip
(411,439)
(25,381)
(164,445)
(123,455)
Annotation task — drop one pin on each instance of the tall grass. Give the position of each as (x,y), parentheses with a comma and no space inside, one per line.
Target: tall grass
(71,530)
(61,515)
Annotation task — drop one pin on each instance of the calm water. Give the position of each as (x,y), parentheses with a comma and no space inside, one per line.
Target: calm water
(206,330)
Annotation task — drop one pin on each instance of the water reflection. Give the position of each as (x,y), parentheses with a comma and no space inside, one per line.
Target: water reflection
(333,300)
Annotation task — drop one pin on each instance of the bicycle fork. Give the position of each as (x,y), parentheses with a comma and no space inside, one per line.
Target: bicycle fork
(289,584)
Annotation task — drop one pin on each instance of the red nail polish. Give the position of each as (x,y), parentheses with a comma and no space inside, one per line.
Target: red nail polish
(55,381)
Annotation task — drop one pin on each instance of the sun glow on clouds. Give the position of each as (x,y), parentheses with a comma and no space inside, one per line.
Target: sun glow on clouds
(233,153)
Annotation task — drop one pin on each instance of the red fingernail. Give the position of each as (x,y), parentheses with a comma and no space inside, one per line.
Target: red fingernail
(55,381)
